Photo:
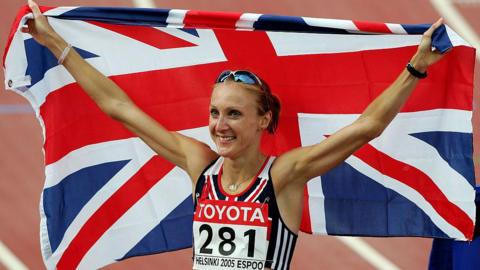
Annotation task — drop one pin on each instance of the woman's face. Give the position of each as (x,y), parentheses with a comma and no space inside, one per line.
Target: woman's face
(234,123)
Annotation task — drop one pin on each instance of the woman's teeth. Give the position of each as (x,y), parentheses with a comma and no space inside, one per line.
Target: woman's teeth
(226,138)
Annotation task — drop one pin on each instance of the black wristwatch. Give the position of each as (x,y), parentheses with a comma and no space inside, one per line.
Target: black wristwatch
(416,73)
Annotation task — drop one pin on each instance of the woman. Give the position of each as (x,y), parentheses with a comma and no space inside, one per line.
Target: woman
(247,205)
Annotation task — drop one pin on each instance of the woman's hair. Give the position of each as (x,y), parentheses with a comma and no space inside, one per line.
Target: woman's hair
(266,102)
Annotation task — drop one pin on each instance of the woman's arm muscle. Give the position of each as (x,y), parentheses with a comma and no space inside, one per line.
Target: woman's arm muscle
(187,153)
(302,164)
(184,152)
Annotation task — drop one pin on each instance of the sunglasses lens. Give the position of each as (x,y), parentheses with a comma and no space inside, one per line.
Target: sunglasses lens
(244,78)
(223,76)
(247,77)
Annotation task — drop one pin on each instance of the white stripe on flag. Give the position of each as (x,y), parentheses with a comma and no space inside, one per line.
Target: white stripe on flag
(454,186)
(98,41)
(425,157)
(58,11)
(331,23)
(132,148)
(405,145)
(396,28)
(316,205)
(139,220)
(246,21)
(409,193)
(176,17)
(304,43)
(132,167)
(95,154)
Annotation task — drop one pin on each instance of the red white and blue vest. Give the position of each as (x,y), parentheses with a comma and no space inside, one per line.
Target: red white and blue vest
(240,231)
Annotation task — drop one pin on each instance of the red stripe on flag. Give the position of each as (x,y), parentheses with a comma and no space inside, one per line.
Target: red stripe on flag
(147,34)
(207,19)
(349,89)
(185,92)
(72,120)
(420,182)
(120,202)
(374,27)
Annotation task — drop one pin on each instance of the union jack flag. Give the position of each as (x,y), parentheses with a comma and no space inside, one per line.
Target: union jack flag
(107,196)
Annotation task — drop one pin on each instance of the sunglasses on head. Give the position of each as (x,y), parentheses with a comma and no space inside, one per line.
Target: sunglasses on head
(242,76)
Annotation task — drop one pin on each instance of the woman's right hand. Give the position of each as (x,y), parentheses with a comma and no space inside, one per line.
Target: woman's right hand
(425,56)
(39,27)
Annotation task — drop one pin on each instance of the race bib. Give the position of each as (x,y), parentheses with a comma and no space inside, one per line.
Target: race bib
(230,235)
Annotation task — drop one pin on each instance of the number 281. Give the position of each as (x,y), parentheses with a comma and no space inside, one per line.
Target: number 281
(227,245)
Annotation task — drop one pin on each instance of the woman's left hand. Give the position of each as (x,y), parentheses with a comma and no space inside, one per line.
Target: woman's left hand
(424,57)
(39,27)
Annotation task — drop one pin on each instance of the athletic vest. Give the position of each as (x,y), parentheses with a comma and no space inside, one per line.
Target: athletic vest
(241,231)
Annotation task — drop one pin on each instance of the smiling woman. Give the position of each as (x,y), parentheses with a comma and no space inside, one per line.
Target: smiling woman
(232,106)
(247,203)
(241,109)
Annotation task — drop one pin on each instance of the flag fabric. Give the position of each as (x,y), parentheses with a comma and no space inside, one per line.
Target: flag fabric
(449,254)
(107,196)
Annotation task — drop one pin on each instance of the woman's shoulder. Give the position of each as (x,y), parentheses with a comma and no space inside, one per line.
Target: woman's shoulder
(284,168)
(287,160)
(199,157)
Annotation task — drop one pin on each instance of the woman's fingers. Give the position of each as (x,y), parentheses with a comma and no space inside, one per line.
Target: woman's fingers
(425,56)
(35,9)
(433,27)
(30,25)
(427,35)
(438,22)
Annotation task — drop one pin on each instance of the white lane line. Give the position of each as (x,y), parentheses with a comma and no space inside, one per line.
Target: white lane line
(466,1)
(368,253)
(449,12)
(9,260)
(15,109)
(144,3)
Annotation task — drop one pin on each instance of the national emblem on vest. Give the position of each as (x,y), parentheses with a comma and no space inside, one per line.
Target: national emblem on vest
(240,231)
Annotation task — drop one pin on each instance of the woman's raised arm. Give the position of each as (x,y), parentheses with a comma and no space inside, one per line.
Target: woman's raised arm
(187,153)
(299,165)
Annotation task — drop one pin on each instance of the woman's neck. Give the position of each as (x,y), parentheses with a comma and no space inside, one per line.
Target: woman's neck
(241,169)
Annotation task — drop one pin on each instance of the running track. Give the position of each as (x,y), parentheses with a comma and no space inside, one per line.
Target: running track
(21,160)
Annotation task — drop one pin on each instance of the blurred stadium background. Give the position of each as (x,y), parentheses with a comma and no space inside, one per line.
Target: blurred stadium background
(21,157)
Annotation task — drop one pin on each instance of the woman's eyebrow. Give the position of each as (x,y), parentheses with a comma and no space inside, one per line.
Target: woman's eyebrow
(227,108)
